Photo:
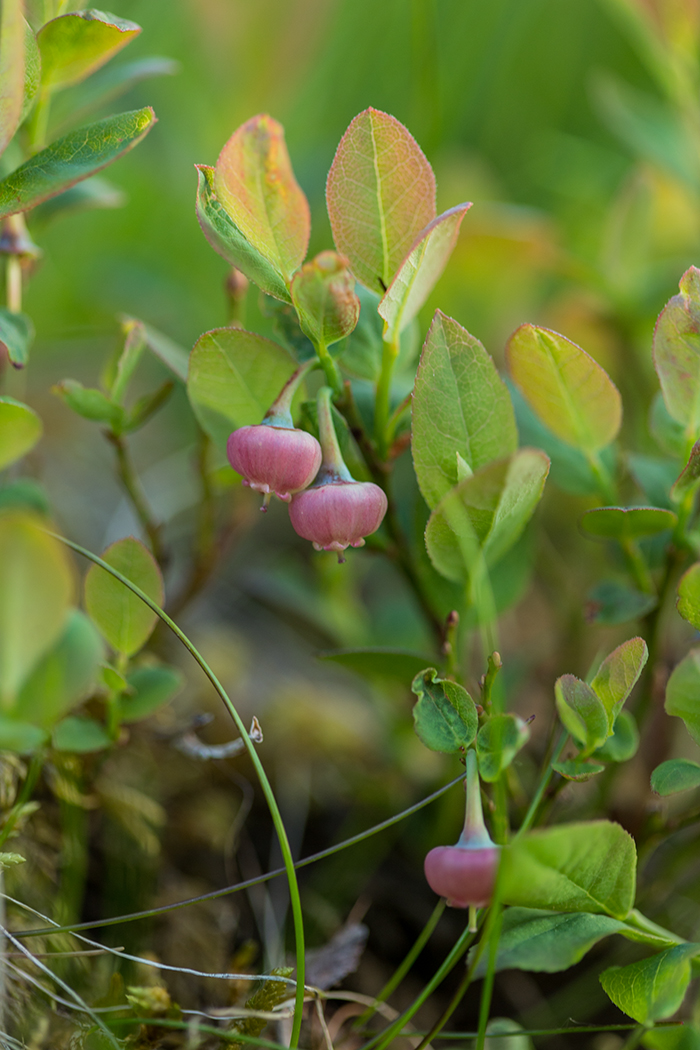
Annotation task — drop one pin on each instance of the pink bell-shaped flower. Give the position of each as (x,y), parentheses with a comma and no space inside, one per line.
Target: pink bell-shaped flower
(336,512)
(466,873)
(274,457)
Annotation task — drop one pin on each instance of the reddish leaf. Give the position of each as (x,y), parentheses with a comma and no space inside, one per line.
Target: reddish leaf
(380,194)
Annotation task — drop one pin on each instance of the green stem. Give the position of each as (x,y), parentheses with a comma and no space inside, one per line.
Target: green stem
(401,971)
(606,485)
(39,122)
(279,413)
(384,1038)
(637,566)
(257,764)
(332,465)
(330,369)
(383,398)
(542,787)
(132,485)
(491,934)
(640,922)
(13,279)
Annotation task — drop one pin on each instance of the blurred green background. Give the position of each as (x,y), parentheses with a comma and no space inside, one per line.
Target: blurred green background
(549,115)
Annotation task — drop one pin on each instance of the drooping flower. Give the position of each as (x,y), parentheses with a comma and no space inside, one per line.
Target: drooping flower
(466,873)
(336,512)
(274,457)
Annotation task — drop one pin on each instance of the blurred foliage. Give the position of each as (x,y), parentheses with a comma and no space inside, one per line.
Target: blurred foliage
(560,124)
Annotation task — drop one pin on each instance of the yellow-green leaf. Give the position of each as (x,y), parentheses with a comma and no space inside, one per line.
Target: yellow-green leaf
(124,620)
(74,45)
(73,158)
(12,29)
(568,390)
(677,353)
(380,195)
(254,182)
(20,429)
(36,588)
(420,270)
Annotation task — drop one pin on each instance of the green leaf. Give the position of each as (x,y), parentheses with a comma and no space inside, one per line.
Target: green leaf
(36,588)
(396,664)
(581,712)
(618,674)
(231,242)
(124,620)
(688,603)
(21,737)
(152,687)
(380,196)
(64,676)
(654,475)
(610,602)
(546,942)
(588,866)
(498,742)
(420,270)
(498,501)
(677,354)
(32,71)
(653,988)
(234,377)
(504,1034)
(124,364)
(20,429)
(627,523)
(689,478)
(570,469)
(94,192)
(73,158)
(624,742)
(16,336)
(444,716)
(666,431)
(457,384)
(255,184)
(323,293)
(12,72)
(79,735)
(678,774)
(683,692)
(674,1037)
(24,494)
(568,390)
(73,46)
(90,403)
(577,770)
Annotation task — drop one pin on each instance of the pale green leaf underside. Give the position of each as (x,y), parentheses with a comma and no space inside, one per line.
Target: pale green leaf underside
(420,271)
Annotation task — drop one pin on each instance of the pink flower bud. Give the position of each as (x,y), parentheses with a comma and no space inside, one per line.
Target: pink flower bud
(463,874)
(274,460)
(338,514)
